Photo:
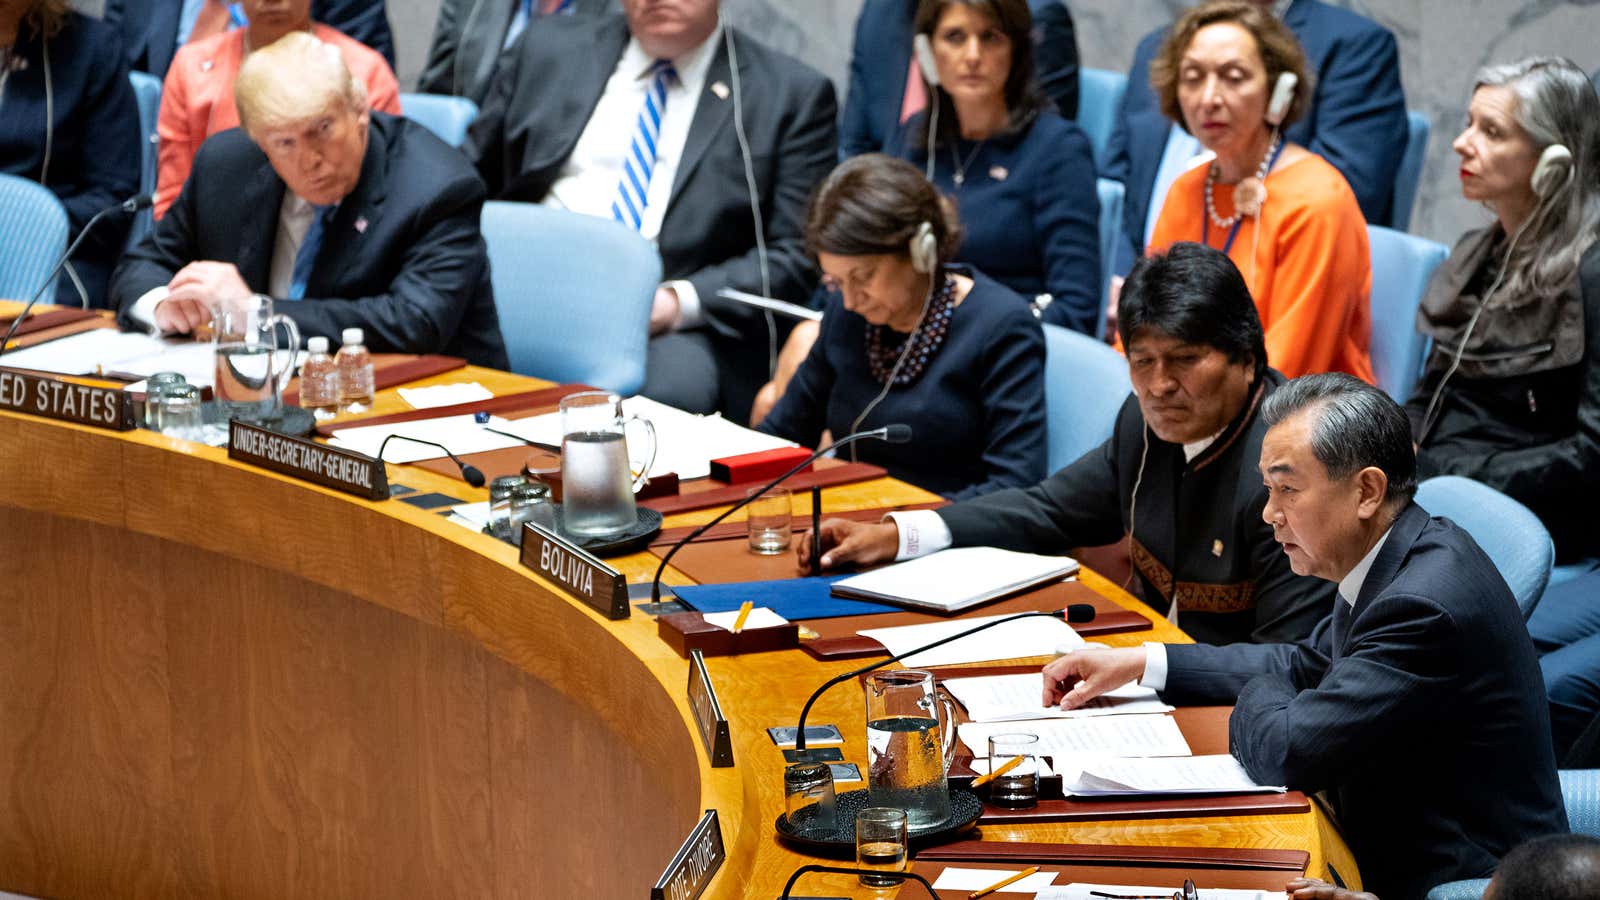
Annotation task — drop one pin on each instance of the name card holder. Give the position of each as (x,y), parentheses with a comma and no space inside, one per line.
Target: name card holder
(713,725)
(307,460)
(53,398)
(578,574)
(695,863)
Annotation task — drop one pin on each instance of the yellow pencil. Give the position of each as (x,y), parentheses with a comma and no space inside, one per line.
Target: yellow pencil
(1000,884)
(744,613)
(982,780)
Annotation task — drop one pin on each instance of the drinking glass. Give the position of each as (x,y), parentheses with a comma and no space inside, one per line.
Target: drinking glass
(180,413)
(154,387)
(1019,787)
(881,844)
(770,519)
(808,796)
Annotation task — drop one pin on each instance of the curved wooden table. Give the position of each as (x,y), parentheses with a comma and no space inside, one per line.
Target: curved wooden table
(218,681)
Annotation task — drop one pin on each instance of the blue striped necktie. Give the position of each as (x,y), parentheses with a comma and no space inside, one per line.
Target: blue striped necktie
(634,186)
(306,256)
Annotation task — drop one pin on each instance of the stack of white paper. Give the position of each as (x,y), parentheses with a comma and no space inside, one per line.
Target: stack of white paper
(460,433)
(1220,774)
(82,354)
(1106,736)
(1014,698)
(1096,891)
(1035,636)
(957,879)
(953,580)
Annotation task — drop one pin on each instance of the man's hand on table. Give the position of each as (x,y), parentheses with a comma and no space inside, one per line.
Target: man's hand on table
(846,542)
(193,291)
(1083,675)
(1312,889)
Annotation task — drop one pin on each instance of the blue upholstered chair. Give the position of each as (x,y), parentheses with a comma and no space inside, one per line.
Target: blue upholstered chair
(1409,175)
(1580,791)
(147,93)
(1509,532)
(1085,383)
(33,234)
(1099,94)
(573,293)
(1110,241)
(1401,267)
(446,116)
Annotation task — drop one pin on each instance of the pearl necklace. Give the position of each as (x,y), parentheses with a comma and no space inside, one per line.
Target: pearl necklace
(1248,195)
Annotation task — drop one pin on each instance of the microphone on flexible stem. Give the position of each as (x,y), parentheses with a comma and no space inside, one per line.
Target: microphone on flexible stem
(893,434)
(1077,612)
(847,870)
(469,472)
(128,207)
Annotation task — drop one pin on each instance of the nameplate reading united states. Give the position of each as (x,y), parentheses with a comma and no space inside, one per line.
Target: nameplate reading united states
(694,864)
(307,460)
(579,575)
(110,408)
(713,725)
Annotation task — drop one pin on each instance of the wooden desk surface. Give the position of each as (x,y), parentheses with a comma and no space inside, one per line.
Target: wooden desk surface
(232,688)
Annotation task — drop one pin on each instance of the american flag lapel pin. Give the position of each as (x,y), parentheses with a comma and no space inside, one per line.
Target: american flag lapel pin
(720,89)
(1216,547)
(361,224)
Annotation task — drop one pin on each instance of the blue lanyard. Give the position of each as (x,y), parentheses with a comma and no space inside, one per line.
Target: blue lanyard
(1205,221)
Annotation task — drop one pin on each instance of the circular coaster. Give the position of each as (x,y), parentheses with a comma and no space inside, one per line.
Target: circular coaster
(296,422)
(647,525)
(965,807)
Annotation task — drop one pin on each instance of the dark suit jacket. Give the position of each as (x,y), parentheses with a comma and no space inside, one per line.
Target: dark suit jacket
(881,57)
(1357,119)
(1421,711)
(546,89)
(402,258)
(466,44)
(150,28)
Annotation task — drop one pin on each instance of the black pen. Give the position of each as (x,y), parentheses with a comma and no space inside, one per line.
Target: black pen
(816,529)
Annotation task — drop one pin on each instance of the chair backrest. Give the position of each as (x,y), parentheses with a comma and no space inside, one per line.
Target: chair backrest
(147,93)
(1401,267)
(1580,790)
(1409,175)
(446,116)
(573,293)
(1099,95)
(1085,384)
(33,234)
(1509,532)
(1110,240)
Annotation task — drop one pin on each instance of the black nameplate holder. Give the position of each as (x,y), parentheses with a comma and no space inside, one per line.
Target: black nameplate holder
(695,863)
(53,398)
(577,574)
(712,724)
(307,460)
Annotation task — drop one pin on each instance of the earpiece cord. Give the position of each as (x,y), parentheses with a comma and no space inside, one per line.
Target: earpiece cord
(1133,504)
(755,199)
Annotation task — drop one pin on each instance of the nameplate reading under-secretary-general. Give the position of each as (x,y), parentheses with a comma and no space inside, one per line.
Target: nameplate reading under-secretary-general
(53,398)
(578,574)
(697,860)
(306,460)
(708,715)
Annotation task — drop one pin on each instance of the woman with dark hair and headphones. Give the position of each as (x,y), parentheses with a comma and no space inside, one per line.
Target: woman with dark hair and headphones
(69,121)
(910,338)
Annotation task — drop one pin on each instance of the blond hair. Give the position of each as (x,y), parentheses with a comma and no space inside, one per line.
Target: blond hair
(294,78)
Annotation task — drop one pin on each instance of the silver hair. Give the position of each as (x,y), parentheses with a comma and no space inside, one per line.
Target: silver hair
(1356,425)
(1556,104)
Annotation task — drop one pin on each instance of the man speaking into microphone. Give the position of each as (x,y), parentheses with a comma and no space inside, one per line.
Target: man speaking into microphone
(1176,479)
(355,218)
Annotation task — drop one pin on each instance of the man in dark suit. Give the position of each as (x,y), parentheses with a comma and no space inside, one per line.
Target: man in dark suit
(151,28)
(1357,119)
(1417,706)
(470,35)
(632,117)
(349,218)
(880,68)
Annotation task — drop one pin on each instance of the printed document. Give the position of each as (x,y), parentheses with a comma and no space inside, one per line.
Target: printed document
(1012,698)
(1033,636)
(1105,736)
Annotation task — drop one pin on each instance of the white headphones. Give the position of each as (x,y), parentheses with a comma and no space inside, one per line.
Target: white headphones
(1282,97)
(924,249)
(1552,171)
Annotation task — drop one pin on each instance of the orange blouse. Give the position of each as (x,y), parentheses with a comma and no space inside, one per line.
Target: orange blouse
(1305,260)
(197,98)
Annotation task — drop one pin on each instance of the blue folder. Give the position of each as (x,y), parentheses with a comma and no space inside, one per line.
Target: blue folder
(792,598)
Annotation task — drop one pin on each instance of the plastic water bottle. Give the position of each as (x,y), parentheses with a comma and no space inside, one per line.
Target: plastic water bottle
(319,380)
(354,364)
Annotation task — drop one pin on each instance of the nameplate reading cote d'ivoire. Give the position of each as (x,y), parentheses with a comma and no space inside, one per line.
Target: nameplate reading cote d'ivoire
(579,575)
(713,725)
(694,864)
(110,408)
(307,460)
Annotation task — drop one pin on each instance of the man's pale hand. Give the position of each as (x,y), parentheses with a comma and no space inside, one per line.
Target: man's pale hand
(181,315)
(844,542)
(664,310)
(1312,889)
(1083,675)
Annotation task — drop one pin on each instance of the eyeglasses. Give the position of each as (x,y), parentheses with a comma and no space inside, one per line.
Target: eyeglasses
(1188,892)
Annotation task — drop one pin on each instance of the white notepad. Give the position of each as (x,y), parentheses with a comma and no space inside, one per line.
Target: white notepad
(1216,774)
(954,580)
(1014,698)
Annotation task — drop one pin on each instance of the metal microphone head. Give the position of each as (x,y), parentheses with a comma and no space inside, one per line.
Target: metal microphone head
(897,434)
(473,475)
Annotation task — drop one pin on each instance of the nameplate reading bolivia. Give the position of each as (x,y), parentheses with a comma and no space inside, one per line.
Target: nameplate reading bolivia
(110,408)
(578,574)
(306,460)
(695,863)
(712,724)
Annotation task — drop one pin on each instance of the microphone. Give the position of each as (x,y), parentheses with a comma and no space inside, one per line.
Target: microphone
(847,870)
(1077,612)
(470,472)
(894,434)
(127,207)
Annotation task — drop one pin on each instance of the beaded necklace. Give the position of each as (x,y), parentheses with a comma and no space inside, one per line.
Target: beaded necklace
(926,340)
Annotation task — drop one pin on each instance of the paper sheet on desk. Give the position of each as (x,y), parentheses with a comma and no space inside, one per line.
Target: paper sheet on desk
(1011,698)
(954,879)
(686,443)
(1106,736)
(760,617)
(460,433)
(1082,892)
(1218,774)
(80,354)
(1036,636)
(445,395)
